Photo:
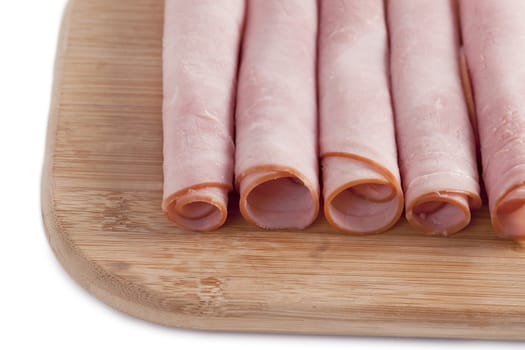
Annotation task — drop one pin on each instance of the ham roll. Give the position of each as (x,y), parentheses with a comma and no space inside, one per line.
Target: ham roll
(361,183)
(201,46)
(494,41)
(276,120)
(435,138)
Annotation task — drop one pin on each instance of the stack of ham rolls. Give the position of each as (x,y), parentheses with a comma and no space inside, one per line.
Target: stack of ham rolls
(387,104)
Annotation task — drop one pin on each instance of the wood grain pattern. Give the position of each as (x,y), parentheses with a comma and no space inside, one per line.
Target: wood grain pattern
(101,195)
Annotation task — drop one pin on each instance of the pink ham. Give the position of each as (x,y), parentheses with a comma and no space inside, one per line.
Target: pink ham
(276,122)
(362,189)
(494,40)
(435,139)
(201,46)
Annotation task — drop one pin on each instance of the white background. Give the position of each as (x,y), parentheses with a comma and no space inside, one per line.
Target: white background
(39,303)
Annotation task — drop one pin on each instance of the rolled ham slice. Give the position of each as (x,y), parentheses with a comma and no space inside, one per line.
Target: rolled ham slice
(361,183)
(494,41)
(276,121)
(201,46)
(435,138)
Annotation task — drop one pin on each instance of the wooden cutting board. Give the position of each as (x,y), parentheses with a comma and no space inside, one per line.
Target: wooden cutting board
(101,196)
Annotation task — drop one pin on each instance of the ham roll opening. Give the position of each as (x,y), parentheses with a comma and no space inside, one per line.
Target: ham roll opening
(361,183)
(200,209)
(436,142)
(276,121)
(494,42)
(278,199)
(201,46)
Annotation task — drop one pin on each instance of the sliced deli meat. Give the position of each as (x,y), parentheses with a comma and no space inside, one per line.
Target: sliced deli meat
(435,138)
(361,183)
(276,118)
(201,46)
(494,41)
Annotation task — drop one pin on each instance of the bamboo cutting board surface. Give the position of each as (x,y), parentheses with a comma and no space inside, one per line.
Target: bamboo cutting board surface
(101,195)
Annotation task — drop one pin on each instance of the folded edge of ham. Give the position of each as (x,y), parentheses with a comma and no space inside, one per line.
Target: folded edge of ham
(201,47)
(436,142)
(276,121)
(361,182)
(494,41)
